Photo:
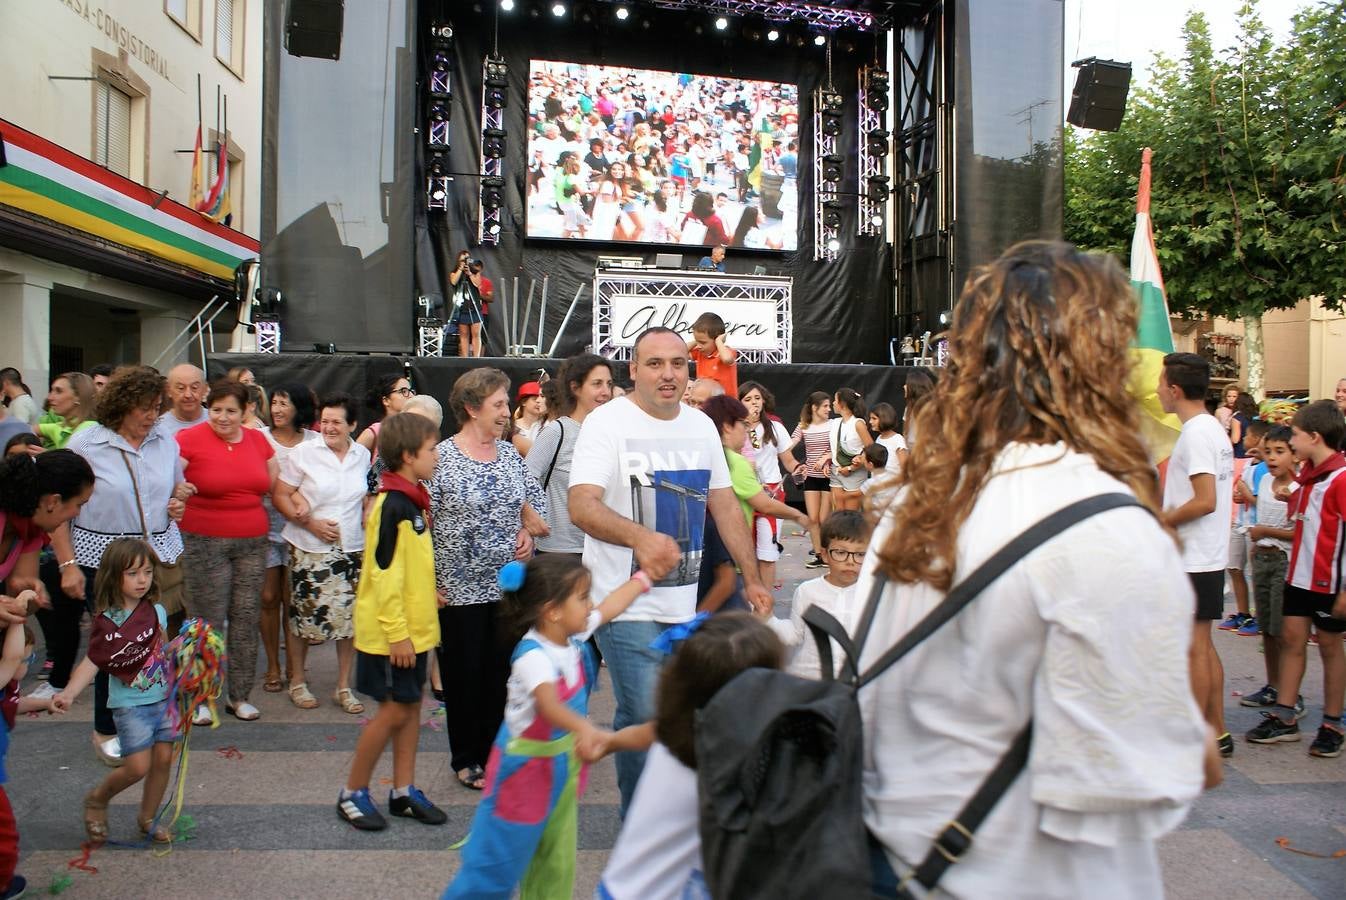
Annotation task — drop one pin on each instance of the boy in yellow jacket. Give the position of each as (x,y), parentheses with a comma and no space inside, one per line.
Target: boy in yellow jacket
(396,624)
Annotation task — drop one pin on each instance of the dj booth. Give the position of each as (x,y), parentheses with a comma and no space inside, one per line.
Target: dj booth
(755,309)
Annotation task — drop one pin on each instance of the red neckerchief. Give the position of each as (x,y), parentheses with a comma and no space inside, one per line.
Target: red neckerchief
(124,650)
(414,491)
(1309,474)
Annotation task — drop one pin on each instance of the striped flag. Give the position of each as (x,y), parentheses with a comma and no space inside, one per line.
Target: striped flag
(762,142)
(1154,335)
(198,173)
(215,205)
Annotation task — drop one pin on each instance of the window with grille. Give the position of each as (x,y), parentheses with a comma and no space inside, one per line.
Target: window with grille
(112,129)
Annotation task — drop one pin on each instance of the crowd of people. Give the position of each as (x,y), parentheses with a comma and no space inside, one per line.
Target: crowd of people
(660,157)
(643,522)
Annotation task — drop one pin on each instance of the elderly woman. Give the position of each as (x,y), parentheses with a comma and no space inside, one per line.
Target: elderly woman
(292,418)
(224,532)
(70,404)
(139,494)
(320,492)
(1035,339)
(477,496)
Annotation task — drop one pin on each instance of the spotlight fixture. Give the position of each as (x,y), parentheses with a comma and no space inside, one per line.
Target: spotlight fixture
(492,192)
(819,40)
(440,111)
(438,194)
(876,92)
(507,5)
(832,215)
(721,23)
(497,71)
(493,229)
(440,61)
(834,245)
(622,13)
(877,141)
(832,103)
(558,9)
(831,125)
(493,143)
(495,97)
(833,165)
(877,220)
(946,317)
(438,164)
(773,34)
(878,190)
(444,32)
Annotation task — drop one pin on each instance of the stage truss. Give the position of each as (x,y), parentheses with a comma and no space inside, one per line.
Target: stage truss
(817,14)
(609,284)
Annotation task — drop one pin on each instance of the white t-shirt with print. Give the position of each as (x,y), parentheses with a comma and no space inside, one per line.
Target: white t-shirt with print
(1203,448)
(765,458)
(658,473)
(540,666)
(1271,512)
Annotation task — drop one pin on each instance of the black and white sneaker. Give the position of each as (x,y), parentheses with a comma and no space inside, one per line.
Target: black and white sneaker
(18,887)
(1327,744)
(1273,730)
(416,806)
(359,810)
(1225,743)
(815,562)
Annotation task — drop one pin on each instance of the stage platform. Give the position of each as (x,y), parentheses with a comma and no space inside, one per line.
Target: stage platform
(356,374)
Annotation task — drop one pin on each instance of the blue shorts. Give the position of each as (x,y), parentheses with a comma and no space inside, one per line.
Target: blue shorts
(141,727)
(377,677)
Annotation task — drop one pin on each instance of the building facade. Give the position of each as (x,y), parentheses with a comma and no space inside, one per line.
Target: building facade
(103,258)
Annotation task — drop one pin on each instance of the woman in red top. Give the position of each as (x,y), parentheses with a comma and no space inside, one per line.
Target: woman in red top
(224,532)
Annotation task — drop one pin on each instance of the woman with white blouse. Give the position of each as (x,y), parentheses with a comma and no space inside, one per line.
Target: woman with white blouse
(1035,339)
(320,492)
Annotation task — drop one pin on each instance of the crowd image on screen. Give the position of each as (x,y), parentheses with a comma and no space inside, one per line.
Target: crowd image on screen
(619,154)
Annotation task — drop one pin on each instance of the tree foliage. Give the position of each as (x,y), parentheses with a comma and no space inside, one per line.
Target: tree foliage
(1249,170)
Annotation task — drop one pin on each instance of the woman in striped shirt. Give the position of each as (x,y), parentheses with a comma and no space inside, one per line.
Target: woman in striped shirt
(813,430)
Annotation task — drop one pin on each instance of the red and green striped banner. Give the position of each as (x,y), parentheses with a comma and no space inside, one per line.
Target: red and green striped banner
(47,180)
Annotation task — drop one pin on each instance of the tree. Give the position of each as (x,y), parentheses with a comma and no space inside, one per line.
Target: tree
(1248,201)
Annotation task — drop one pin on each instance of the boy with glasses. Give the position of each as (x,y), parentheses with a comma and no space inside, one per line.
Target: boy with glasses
(845,539)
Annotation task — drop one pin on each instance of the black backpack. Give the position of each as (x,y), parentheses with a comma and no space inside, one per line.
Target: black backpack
(779,758)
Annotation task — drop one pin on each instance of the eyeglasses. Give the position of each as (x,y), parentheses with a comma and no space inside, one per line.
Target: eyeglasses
(857,556)
(404,391)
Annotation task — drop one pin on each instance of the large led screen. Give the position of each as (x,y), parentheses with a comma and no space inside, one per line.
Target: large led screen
(647,157)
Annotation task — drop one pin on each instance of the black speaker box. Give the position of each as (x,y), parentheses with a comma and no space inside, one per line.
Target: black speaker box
(313,28)
(1099,98)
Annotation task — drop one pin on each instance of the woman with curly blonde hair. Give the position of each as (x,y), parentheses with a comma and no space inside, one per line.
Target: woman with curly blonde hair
(1030,416)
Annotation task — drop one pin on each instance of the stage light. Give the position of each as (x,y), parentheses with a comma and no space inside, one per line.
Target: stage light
(493,229)
(721,23)
(492,192)
(438,164)
(946,317)
(833,165)
(440,111)
(832,214)
(878,143)
(831,125)
(877,220)
(773,34)
(558,9)
(507,5)
(876,95)
(440,62)
(438,194)
(819,40)
(497,71)
(878,188)
(833,103)
(493,143)
(443,32)
(622,13)
(834,245)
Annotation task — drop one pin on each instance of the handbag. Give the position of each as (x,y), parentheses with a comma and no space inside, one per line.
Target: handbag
(838,451)
(167,576)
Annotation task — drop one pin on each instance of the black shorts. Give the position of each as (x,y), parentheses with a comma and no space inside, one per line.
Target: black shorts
(1312,605)
(818,483)
(377,677)
(1209,587)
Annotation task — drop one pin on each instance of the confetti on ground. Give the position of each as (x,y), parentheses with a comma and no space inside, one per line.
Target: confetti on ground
(230,752)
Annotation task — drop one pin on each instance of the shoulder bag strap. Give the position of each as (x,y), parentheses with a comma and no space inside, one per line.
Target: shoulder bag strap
(967,590)
(135,489)
(555,456)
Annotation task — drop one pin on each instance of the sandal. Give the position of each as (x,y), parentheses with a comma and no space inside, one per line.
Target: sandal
(157,834)
(346,700)
(273,684)
(95,818)
(302,697)
(473,778)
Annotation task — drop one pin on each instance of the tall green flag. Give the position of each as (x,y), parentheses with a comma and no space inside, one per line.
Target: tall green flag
(1154,335)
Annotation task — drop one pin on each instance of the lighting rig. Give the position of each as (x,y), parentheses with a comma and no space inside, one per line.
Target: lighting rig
(494,140)
(829,167)
(438,111)
(874,147)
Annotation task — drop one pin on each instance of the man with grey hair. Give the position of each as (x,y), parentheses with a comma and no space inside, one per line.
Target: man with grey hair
(702,390)
(186,387)
(425,405)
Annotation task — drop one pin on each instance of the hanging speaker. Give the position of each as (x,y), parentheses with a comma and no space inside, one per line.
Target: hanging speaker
(313,28)
(1099,99)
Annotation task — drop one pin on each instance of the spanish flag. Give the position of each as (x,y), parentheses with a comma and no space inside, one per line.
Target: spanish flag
(760,145)
(196,193)
(1154,336)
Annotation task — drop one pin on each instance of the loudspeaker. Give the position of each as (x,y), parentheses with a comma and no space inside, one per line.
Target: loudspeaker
(1099,98)
(313,28)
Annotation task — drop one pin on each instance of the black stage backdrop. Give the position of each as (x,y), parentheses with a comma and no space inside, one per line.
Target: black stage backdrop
(356,375)
(842,310)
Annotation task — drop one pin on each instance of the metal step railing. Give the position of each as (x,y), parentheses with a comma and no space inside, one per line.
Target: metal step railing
(198,331)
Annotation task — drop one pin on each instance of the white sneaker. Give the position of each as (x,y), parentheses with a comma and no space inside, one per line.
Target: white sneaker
(44,691)
(244,711)
(109,750)
(202,716)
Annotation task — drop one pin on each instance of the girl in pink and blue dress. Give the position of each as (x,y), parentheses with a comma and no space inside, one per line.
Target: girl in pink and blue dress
(526,824)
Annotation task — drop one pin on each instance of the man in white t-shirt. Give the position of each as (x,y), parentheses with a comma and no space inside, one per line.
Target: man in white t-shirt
(186,388)
(1198,502)
(645,473)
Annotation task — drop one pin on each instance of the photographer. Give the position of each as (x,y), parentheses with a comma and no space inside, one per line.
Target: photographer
(468,311)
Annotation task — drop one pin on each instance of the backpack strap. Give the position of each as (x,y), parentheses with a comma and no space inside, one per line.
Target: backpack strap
(967,590)
(825,628)
(956,838)
(560,423)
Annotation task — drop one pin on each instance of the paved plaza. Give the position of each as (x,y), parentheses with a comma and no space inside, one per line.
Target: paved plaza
(261,799)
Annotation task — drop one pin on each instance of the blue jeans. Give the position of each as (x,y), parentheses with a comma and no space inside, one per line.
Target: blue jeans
(634,668)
